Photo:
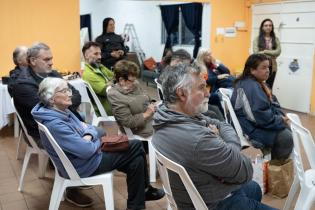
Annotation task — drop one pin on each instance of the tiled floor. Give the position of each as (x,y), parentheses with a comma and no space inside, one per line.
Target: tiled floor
(36,194)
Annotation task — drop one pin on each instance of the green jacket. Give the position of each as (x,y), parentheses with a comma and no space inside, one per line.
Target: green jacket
(99,79)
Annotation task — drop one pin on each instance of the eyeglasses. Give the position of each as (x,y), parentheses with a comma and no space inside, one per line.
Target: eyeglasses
(64,91)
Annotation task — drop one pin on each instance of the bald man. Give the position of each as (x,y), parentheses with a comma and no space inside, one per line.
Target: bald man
(21,64)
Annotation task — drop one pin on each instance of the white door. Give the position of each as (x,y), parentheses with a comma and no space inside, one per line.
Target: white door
(295,26)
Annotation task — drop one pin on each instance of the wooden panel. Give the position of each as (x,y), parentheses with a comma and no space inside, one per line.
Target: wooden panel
(266,8)
(301,6)
(293,88)
(299,20)
(301,35)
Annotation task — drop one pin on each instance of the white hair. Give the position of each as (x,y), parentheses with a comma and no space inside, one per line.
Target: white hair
(48,87)
(179,76)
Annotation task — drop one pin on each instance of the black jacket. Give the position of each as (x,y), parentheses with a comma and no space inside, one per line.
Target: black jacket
(24,93)
(111,42)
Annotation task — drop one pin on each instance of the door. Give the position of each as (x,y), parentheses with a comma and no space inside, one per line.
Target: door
(295,27)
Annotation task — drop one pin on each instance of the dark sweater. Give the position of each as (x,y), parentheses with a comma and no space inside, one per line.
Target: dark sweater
(111,42)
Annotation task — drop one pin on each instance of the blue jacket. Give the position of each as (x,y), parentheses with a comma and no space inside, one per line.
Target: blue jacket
(68,132)
(259,118)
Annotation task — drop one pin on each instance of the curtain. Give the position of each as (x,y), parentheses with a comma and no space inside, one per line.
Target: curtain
(85,21)
(192,14)
(170,19)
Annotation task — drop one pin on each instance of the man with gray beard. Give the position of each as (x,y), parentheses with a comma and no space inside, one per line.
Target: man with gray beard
(208,149)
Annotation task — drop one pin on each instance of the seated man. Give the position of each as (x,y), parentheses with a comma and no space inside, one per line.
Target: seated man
(97,75)
(24,93)
(178,57)
(131,107)
(20,61)
(81,143)
(207,148)
(181,56)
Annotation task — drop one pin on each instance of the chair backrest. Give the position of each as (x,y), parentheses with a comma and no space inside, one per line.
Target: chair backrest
(301,136)
(30,138)
(164,164)
(159,89)
(72,173)
(229,114)
(96,99)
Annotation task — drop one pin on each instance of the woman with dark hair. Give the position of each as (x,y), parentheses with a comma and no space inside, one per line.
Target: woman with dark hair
(258,111)
(112,45)
(267,43)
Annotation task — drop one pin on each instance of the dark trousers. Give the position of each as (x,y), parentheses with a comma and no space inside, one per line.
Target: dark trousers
(271,79)
(133,163)
(283,145)
(247,197)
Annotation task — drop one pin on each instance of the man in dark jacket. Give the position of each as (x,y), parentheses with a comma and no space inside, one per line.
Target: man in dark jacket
(24,93)
(20,61)
(113,48)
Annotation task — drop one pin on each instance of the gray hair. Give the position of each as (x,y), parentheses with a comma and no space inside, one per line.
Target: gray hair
(17,53)
(47,89)
(179,76)
(33,51)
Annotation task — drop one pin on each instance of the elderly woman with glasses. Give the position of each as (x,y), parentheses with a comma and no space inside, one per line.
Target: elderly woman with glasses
(81,143)
(131,107)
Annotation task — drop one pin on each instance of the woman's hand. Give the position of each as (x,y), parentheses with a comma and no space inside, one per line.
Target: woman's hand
(150,111)
(286,119)
(223,76)
(115,54)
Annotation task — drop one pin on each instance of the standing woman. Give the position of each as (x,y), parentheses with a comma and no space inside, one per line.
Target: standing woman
(267,43)
(112,45)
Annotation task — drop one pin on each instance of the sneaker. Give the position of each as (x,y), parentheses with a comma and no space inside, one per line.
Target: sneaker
(74,196)
(152,194)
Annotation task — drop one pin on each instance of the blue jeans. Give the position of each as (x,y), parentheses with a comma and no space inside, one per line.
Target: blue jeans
(248,197)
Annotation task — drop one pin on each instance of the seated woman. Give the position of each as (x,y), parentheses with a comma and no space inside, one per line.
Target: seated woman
(215,73)
(81,143)
(131,107)
(113,47)
(258,111)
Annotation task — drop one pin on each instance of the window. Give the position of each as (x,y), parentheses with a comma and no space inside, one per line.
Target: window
(181,34)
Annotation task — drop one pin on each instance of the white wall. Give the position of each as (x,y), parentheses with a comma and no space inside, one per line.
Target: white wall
(146,17)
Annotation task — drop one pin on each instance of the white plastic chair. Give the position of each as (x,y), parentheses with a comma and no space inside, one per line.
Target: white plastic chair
(152,159)
(229,111)
(306,178)
(164,164)
(33,149)
(159,89)
(60,183)
(104,117)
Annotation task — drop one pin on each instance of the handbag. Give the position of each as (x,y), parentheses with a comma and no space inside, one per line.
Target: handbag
(116,143)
